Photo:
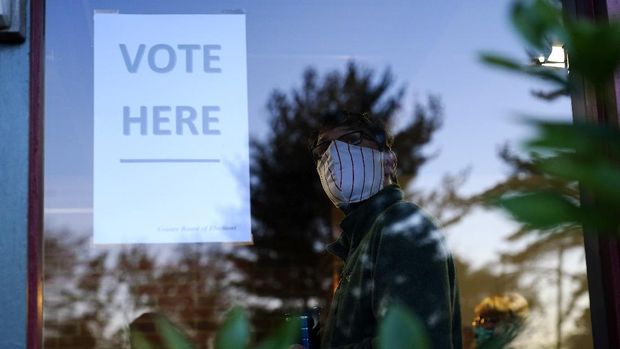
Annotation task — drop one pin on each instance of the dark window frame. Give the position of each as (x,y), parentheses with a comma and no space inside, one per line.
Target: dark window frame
(602,253)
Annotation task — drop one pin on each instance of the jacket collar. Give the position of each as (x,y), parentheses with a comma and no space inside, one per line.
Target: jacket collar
(357,222)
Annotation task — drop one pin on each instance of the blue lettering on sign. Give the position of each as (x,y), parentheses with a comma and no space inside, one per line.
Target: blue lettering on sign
(163,119)
(162,58)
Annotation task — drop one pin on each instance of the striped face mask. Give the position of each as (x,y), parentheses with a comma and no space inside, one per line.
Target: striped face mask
(350,173)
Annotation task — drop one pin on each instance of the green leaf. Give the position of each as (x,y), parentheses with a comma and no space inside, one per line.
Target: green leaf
(155,331)
(541,209)
(538,22)
(558,77)
(172,335)
(581,137)
(602,218)
(400,329)
(501,62)
(595,173)
(284,337)
(234,332)
(139,342)
(594,49)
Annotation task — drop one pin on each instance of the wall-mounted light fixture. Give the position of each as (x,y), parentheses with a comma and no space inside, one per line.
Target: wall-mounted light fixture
(557,57)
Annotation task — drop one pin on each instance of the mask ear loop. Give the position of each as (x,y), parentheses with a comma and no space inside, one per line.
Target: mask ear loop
(390,163)
(323,156)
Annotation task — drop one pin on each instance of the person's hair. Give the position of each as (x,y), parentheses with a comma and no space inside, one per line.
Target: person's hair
(506,307)
(364,122)
(370,126)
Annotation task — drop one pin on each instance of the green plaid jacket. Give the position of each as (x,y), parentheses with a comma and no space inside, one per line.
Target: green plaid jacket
(393,254)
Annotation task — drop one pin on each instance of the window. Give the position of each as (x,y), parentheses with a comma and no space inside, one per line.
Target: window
(405,61)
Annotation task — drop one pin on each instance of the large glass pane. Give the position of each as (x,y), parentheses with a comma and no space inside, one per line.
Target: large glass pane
(413,63)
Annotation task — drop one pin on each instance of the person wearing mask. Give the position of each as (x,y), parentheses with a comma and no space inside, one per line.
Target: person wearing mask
(394,254)
(499,319)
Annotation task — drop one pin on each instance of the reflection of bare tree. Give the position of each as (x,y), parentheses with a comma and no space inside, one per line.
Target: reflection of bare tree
(542,255)
(582,337)
(92,295)
(190,287)
(72,308)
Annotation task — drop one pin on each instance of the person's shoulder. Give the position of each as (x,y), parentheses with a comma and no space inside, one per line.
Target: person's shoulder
(407,222)
(406,216)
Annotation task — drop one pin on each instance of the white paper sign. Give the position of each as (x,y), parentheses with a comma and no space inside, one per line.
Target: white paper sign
(171,161)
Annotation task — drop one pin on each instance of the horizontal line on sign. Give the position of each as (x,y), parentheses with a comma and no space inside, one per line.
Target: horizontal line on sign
(135,161)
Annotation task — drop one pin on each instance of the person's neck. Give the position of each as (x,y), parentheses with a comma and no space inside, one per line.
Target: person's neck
(348,208)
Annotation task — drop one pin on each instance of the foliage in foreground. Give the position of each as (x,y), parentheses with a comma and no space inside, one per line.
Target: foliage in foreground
(399,330)
(568,155)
